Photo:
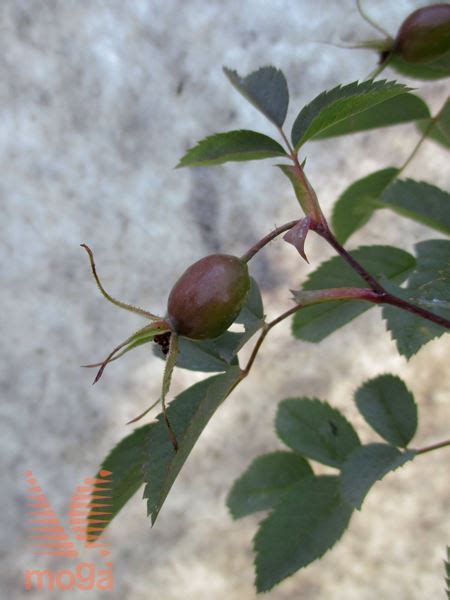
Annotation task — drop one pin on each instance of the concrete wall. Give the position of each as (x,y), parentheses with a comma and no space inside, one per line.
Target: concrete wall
(99,100)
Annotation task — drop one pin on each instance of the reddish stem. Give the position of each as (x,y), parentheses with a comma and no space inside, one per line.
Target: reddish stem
(266,239)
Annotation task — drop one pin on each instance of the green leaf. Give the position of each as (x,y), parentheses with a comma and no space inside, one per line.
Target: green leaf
(251,317)
(306,523)
(389,407)
(339,104)
(314,323)
(231,146)
(409,331)
(357,203)
(397,110)
(420,201)
(265,482)
(316,430)
(432,273)
(436,69)
(266,89)
(440,131)
(125,463)
(365,466)
(197,356)
(429,287)
(188,414)
(253,309)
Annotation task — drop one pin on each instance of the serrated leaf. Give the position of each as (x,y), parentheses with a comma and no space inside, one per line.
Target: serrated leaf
(409,331)
(125,463)
(188,414)
(266,89)
(357,203)
(339,104)
(437,69)
(389,407)
(440,131)
(365,466)
(231,146)
(420,201)
(265,482)
(395,111)
(305,524)
(314,323)
(432,273)
(429,287)
(315,430)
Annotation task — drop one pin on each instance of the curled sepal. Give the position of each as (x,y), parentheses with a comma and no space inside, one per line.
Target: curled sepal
(297,236)
(135,309)
(304,192)
(167,378)
(142,336)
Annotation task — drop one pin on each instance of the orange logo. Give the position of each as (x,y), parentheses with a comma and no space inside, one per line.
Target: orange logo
(88,515)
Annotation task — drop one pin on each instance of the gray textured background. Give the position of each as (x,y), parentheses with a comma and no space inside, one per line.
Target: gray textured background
(99,99)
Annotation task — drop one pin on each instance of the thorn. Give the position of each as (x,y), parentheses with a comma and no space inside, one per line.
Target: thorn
(297,236)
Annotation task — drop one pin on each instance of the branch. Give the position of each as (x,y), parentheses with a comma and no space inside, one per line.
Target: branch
(266,239)
(384,297)
(355,265)
(425,134)
(416,310)
(381,296)
(267,327)
(433,447)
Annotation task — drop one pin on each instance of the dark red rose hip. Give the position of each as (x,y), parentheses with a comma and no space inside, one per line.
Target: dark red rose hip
(208,297)
(425,35)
